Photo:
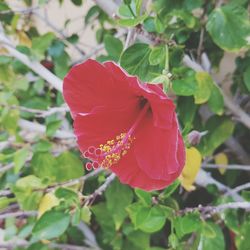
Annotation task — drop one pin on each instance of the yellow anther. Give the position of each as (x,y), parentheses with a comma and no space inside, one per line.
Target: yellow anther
(114,149)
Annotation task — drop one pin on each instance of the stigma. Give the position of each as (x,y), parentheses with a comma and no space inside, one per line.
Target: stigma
(110,153)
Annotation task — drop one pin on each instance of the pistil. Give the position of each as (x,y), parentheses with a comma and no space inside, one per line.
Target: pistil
(108,154)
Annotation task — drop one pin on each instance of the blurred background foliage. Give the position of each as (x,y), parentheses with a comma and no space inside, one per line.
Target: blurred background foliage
(47,200)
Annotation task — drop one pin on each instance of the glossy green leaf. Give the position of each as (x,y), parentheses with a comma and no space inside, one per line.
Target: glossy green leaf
(229,27)
(216,100)
(135,60)
(113,46)
(219,130)
(51,225)
(157,55)
(147,219)
(144,196)
(187,224)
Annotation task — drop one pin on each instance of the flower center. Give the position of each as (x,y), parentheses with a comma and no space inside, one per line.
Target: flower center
(108,154)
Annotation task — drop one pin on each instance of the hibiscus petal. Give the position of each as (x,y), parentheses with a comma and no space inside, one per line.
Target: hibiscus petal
(157,150)
(90,84)
(130,173)
(102,124)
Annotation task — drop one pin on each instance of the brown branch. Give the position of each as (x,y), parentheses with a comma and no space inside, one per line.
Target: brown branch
(99,191)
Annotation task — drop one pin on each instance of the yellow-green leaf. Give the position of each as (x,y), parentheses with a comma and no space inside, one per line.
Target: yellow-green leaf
(48,201)
(221,159)
(205,84)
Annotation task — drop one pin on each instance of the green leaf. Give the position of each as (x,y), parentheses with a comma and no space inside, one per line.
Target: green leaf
(246,77)
(215,243)
(170,189)
(85,214)
(186,110)
(20,157)
(147,219)
(41,44)
(150,220)
(219,130)
(23,190)
(242,240)
(118,198)
(56,49)
(44,165)
(77,2)
(9,120)
(229,27)
(144,196)
(113,46)
(207,230)
(184,87)
(42,146)
(69,166)
(52,224)
(68,195)
(159,26)
(216,101)
(205,83)
(52,127)
(139,239)
(4,202)
(186,224)
(157,55)
(30,182)
(105,220)
(131,22)
(135,60)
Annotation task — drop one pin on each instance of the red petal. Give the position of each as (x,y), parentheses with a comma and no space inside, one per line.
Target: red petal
(159,152)
(95,128)
(129,173)
(90,84)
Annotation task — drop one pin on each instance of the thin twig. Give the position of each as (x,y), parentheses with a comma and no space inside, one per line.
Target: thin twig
(90,199)
(75,181)
(42,113)
(238,189)
(61,184)
(207,211)
(227,167)
(204,179)
(129,38)
(18,214)
(41,129)
(13,245)
(20,11)
(200,43)
(59,32)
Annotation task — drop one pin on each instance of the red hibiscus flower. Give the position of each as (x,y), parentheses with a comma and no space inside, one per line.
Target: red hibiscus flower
(124,126)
